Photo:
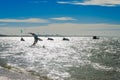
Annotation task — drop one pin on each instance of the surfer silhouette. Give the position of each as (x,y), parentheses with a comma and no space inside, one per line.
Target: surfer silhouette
(35,38)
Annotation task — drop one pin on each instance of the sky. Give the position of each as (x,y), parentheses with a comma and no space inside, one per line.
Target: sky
(64,17)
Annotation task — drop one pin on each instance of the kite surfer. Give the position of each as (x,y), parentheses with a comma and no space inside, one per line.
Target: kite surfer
(35,38)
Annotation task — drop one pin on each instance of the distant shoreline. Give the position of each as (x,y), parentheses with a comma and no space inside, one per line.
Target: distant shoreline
(55,36)
(46,36)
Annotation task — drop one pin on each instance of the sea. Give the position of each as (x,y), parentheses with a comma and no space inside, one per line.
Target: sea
(80,58)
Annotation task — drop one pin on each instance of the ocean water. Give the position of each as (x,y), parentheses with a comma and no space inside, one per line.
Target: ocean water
(81,58)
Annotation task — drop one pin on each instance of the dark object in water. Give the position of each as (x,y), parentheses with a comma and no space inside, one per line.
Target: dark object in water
(50,39)
(22,39)
(95,37)
(65,39)
(43,46)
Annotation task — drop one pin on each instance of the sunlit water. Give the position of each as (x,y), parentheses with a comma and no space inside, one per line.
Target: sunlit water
(81,58)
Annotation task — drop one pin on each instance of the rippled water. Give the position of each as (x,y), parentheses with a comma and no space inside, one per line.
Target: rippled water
(81,58)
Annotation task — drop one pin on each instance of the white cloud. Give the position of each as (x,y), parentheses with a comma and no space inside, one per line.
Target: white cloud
(30,20)
(93,2)
(63,18)
(62,2)
(68,29)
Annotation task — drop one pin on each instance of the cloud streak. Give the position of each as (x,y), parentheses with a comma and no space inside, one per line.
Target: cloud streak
(109,3)
(30,20)
(63,18)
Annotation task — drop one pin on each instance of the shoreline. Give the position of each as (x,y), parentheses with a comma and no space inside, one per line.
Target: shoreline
(6,74)
(18,74)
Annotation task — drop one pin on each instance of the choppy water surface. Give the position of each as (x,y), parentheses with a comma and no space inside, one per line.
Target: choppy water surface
(81,58)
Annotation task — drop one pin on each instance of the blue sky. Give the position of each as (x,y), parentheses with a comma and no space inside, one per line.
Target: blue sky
(32,14)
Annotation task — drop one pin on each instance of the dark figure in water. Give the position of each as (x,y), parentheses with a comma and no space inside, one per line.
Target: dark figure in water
(22,39)
(50,39)
(35,38)
(95,37)
(65,39)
